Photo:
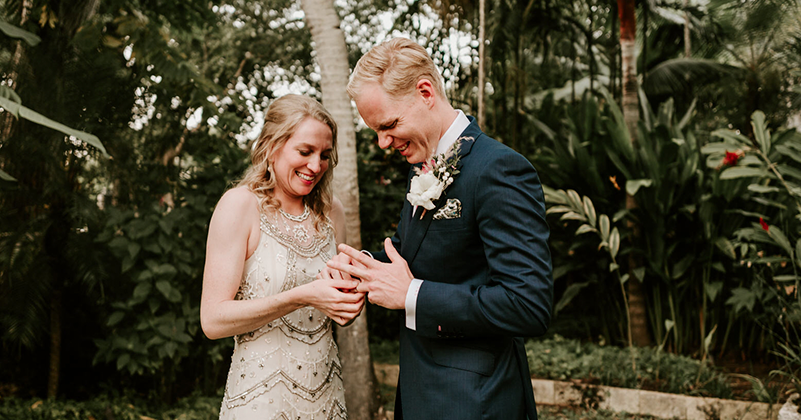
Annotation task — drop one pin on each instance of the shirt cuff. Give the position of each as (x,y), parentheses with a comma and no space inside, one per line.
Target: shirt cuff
(411,304)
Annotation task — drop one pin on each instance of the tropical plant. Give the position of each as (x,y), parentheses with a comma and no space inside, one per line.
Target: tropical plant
(769,167)
(675,192)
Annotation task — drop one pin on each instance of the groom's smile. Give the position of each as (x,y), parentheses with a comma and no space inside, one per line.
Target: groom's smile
(403,123)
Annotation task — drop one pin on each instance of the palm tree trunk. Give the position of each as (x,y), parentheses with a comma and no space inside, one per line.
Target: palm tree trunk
(361,387)
(687,42)
(482,33)
(8,118)
(631,115)
(55,345)
(615,44)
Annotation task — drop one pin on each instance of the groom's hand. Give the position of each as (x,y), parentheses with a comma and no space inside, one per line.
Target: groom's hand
(329,273)
(386,284)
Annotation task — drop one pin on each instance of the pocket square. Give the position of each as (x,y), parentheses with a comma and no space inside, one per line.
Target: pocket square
(451,210)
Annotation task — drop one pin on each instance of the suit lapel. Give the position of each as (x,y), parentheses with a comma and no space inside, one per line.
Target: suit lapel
(416,232)
(416,228)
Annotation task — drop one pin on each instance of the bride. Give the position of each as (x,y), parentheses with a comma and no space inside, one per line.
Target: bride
(268,238)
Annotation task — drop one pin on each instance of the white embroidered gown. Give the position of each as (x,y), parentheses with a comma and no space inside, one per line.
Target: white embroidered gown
(288,369)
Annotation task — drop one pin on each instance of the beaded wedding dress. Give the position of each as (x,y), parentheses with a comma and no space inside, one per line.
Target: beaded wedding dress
(288,369)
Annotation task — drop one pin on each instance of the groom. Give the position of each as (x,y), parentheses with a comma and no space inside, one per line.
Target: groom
(473,270)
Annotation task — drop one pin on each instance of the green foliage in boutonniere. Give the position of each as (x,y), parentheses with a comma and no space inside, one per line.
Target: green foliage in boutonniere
(434,177)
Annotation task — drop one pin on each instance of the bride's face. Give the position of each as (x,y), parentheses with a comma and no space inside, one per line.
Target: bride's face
(300,164)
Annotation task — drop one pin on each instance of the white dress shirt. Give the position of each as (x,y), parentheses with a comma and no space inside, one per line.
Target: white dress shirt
(448,139)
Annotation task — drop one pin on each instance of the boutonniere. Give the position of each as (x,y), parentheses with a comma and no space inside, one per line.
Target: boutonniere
(434,177)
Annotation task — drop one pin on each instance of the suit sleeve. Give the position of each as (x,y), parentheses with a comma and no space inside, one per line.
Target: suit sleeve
(517,299)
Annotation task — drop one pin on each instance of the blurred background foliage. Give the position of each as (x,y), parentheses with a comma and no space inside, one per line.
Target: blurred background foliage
(102,246)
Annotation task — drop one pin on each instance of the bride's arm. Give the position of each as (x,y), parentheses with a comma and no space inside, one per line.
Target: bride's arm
(235,219)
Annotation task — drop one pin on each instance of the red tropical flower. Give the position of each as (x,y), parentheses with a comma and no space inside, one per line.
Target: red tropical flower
(731,158)
(764,225)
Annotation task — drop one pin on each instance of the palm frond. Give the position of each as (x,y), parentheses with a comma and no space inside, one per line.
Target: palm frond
(680,74)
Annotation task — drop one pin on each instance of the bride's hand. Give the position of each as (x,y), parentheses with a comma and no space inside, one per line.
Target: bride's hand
(336,299)
(330,273)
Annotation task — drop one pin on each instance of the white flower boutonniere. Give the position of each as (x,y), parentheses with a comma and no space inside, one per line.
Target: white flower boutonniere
(433,177)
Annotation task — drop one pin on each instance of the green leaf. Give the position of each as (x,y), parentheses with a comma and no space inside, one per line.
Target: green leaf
(789,152)
(558,209)
(561,270)
(762,189)
(584,229)
(166,225)
(571,292)
(787,170)
(115,318)
(743,172)
(786,277)
(780,239)
(33,116)
(708,339)
(167,270)
(613,267)
(123,360)
(767,202)
(726,247)
(742,298)
(639,273)
(761,133)
(715,148)
(141,291)
(669,325)
(133,249)
(170,347)
(573,216)
(713,289)
(798,249)
(614,242)
(603,223)
(127,263)
(737,139)
(165,243)
(681,267)
(141,228)
(6,177)
(589,211)
(551,196)
(168,291)
(634,185)
(16,32)
(164,287)
(152,247)
(624,278)
(575,199)
(119,245)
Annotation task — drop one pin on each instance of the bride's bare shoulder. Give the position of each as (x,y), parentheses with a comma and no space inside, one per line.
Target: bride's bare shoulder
(238,202)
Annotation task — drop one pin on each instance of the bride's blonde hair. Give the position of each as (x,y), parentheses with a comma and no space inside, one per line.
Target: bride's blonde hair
(281,121)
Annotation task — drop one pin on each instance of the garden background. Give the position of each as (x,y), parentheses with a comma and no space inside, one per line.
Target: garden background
(664,132)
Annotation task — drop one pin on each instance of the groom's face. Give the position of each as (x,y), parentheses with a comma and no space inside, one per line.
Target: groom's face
(405,124)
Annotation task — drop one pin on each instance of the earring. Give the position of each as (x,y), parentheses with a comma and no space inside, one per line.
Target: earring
(270,174)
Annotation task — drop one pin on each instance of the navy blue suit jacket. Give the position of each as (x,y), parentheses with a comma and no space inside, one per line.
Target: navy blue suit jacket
(487,283)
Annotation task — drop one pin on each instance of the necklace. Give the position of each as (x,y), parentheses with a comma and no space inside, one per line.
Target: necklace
(299,232)
(300,218)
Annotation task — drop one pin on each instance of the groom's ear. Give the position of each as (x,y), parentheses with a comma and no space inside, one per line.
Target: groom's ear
(426,91)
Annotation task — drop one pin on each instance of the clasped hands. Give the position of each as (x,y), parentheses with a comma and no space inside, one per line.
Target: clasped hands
(385,284)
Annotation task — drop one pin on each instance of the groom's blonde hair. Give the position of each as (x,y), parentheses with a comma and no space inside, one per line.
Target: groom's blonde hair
(397,65)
